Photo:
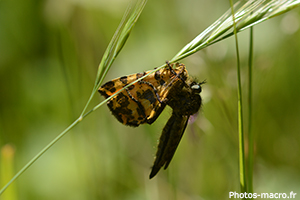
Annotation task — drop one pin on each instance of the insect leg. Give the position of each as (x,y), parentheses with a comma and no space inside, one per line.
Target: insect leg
(137,102)
(157,111)
(176,76)
(154,89)
(173,72)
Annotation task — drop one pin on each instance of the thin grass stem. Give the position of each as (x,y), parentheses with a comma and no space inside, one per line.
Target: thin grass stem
(40,154)
(120,37)
(243,184)
(250,134)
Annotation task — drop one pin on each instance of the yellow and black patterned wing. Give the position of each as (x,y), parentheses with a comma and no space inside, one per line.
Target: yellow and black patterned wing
(142,102)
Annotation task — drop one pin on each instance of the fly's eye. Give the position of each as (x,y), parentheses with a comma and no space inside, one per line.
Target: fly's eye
(196,88)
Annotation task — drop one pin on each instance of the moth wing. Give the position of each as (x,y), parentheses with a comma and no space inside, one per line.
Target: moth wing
(142,102)
(124,106)
(134,104)
(113,86)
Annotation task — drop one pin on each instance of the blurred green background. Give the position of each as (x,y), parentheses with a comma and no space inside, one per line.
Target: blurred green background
(49,54)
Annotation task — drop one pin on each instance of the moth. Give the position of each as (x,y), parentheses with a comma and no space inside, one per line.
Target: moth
(143,101)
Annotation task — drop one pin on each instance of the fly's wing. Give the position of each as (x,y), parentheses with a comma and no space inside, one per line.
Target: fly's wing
(169,140)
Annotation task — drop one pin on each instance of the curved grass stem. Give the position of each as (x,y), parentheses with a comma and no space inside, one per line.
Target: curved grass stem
(115,46)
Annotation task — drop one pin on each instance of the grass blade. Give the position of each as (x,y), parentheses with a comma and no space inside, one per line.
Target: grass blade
(250,134)
(115,46)
(247,15)
(243,184)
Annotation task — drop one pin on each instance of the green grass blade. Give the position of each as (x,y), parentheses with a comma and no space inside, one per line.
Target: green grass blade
(7,165)
(246,15)
(250,134)
(115,46)
(243,184)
